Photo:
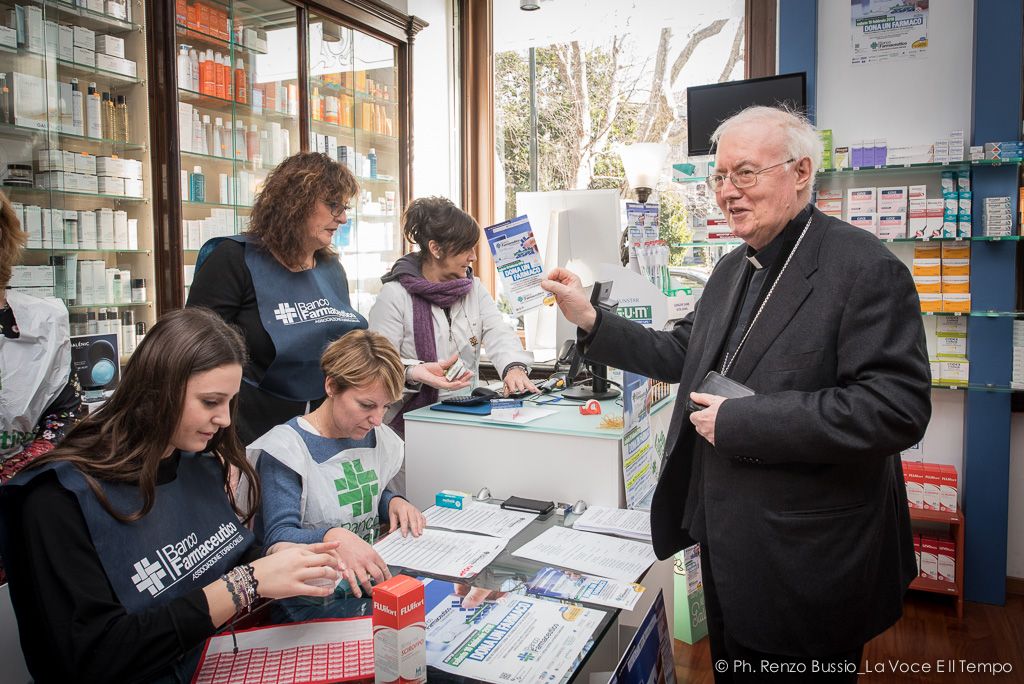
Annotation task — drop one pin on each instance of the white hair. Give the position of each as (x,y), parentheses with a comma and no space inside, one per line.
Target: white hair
(801,139)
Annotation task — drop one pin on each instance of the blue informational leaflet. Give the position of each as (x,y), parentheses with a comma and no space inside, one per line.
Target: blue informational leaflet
(519,265)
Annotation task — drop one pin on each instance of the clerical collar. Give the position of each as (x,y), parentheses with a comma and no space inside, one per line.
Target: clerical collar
(766,256)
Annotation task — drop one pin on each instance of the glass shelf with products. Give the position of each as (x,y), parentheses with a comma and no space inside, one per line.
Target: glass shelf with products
(217,205)
(192,36)
(82,250)
(976,314)
(79,160)
(353,88)
(71,13)
(82,307)
(31,132)
(242,163)
(239,108)
(972,238)
(977,387)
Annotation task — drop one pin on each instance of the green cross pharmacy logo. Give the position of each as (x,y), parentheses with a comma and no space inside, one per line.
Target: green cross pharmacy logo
(357,487)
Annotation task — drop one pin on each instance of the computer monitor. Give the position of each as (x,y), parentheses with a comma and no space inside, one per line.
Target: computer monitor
(599,387)
(709,105)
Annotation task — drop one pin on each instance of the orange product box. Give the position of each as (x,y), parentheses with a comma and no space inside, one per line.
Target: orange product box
(192,16)
(945,559)
(926,267)
(956,303)
(180,12)
(956,267)
(948,489)
(956,250)
(399,631)
(956,284)
(928,250)
(929,557)
(930,301)
(932,479)
(204,18)
(915,484)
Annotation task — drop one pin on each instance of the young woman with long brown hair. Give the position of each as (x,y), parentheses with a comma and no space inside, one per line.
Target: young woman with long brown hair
(125,546)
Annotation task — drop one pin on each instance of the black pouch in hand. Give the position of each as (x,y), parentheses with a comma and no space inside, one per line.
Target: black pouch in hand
(716,383)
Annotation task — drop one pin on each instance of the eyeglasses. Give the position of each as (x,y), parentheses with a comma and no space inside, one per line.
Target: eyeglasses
(336,208)
(741,179)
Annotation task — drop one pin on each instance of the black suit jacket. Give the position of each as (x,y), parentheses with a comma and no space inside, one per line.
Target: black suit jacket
(807,523)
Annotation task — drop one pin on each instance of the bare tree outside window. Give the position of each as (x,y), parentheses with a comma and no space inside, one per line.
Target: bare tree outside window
(608,73)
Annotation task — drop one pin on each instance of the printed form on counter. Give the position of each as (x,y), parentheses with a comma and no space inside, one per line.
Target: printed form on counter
(452,554)
(517,258)
(480,517)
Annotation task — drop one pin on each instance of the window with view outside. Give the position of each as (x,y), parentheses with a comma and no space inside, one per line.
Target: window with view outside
(608,73)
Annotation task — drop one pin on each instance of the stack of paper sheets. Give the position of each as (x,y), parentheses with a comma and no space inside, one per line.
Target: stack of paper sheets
(451,554)
(618,521)
(595,554)
(480,517)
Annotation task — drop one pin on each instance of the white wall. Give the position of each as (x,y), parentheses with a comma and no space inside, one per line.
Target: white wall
(910,101)
(435,119)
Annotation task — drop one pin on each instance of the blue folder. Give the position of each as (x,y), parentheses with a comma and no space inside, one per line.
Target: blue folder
(479,410)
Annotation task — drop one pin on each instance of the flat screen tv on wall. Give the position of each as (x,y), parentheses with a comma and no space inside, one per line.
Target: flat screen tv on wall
(709,105)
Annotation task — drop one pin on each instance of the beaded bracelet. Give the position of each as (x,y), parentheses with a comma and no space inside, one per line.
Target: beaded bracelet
(255,583)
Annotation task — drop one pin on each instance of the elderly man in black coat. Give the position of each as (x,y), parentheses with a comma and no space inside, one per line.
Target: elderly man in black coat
(795,493)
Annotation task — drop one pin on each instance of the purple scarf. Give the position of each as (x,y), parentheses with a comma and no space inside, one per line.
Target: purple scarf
(424,294)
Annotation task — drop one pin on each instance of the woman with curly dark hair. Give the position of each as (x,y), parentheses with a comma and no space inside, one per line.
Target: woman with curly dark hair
(282,284)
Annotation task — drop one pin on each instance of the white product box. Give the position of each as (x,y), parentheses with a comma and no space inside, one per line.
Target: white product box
(955,372)
(892,199)
(31,99)
(85,38)
(108,185)
(85,163)
(85,57)
(72,182)
(51,180)
(934,214)
(65,43)
(31,276)
(49,160)
(119,65)
(132,169)
(105,229)
(33,225)
(917,218)
(110,45)
(88,183)
(866,221)
(114,9)
(110,166)
(951,347)
(929,560)
(34,33)
(951,325)
(945,562)
(86,230)
(861,201)
(132,187)
(19,214)
(121,229)
(185,124)
(51,37)
(133,233)
(8,37)
(917,192)
(892,226)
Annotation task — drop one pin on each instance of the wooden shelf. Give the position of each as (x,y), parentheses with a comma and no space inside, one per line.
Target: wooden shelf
(935,587)
(955,520)
(926,515)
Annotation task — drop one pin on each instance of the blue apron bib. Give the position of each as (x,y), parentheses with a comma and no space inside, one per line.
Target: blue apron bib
(188,539)
(302,312)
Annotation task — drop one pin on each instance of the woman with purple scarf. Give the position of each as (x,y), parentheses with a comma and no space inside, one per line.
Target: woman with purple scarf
(436,313)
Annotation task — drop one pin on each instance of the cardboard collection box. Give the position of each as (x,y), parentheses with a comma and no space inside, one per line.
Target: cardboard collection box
(399,631)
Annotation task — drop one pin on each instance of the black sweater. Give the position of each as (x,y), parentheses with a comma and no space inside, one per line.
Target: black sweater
(72,625)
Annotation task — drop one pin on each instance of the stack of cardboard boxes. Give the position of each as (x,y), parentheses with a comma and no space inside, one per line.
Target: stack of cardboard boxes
(942,275)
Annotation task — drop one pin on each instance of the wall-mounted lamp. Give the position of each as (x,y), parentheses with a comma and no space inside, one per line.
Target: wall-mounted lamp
(642,163)
(529,5)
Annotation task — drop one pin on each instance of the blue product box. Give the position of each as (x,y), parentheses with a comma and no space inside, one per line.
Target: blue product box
(450,499)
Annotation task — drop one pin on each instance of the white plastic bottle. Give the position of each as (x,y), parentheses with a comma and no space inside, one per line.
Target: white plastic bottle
(93,113)
(184,68)
(207,135)
(197,133)
(77,113)
(239,141)
(218,137)
(193,72)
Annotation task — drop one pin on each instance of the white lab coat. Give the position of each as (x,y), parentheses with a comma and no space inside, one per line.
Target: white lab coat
(34,367)
(475,319)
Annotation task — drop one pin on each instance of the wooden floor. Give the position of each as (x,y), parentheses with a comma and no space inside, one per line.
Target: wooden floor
(927,633)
